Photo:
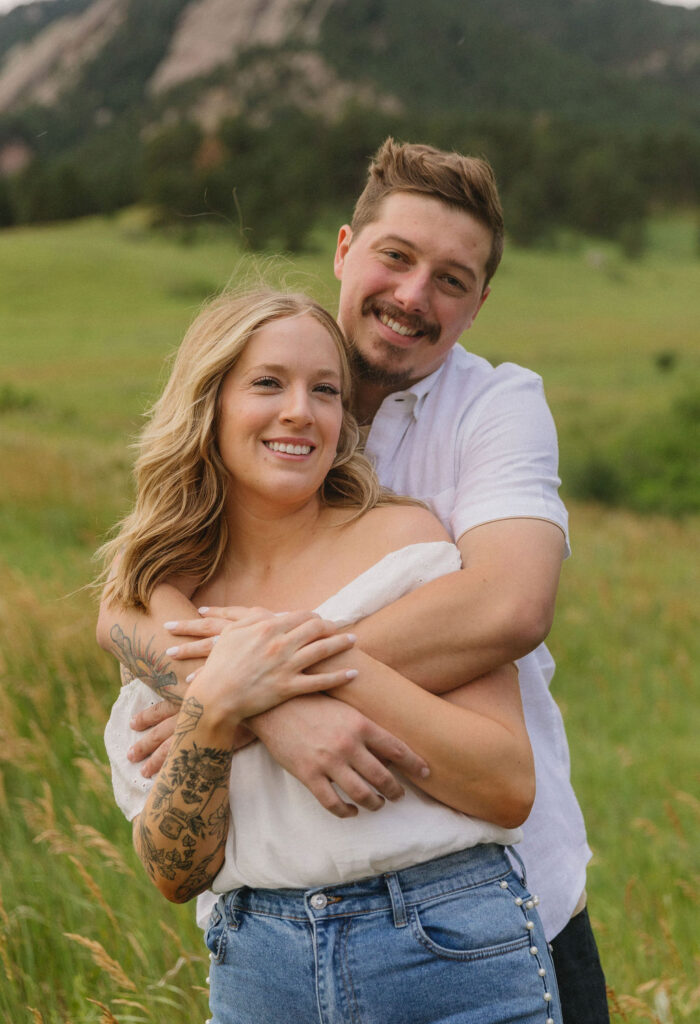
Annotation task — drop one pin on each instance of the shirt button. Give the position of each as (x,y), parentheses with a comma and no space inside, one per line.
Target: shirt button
(319,900)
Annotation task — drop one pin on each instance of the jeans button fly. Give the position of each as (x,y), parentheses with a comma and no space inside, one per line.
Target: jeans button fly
(319,900)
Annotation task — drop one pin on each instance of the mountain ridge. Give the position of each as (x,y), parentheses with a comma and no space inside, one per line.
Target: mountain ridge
(545,55)
(108,102)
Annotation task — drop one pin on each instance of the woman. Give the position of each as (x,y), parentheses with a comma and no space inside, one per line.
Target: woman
(251,488)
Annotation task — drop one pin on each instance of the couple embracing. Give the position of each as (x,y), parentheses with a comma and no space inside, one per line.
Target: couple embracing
(369,797)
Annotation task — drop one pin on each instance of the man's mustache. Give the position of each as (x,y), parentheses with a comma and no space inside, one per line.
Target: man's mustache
(429,329)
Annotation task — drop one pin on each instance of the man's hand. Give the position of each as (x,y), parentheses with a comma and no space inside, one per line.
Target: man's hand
(322,742)
(157,723)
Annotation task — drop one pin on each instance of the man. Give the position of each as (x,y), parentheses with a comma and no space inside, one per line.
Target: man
(478,445)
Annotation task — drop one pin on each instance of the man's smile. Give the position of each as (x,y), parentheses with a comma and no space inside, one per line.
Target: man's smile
(395,326)
(407,326)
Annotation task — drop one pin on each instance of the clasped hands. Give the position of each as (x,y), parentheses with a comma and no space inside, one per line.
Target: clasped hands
(322,741)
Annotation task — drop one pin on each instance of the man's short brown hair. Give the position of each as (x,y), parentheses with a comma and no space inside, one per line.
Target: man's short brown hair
(464,182)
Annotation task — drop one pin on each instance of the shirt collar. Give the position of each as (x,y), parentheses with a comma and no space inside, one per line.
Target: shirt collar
(415,396)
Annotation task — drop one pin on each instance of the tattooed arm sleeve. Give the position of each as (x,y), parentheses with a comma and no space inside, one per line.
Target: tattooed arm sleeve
(139,641)
(181,833)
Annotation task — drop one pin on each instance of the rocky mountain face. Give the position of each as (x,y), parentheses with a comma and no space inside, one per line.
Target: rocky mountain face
(49,65)
(191,105)
(251,44)
(320,54)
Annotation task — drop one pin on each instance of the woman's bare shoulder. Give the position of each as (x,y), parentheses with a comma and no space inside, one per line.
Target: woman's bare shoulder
(389,527)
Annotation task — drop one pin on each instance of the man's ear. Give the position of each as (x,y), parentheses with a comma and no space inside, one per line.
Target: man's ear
(344,239)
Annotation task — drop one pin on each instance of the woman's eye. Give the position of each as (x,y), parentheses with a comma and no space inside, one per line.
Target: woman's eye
(327,389)
(265,382)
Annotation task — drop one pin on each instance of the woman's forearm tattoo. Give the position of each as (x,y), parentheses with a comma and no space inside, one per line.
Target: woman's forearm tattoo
(185,828)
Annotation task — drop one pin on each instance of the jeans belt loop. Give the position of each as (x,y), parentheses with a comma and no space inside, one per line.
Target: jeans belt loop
(232,917)
(516,856)
(398,907)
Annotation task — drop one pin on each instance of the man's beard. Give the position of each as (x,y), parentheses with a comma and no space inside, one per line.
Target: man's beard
(381,376)
(367,373)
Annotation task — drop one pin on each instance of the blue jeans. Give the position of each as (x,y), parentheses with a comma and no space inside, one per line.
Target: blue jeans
(454,940)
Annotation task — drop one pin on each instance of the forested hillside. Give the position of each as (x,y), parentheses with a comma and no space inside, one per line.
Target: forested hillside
(263,112)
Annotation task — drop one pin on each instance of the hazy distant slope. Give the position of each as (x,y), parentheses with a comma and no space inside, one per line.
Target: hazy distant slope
(605,61)
(85,87)
(42,69)
(23,23)
(542,56)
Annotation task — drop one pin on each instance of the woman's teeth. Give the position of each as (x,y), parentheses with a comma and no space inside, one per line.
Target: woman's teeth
(289,449)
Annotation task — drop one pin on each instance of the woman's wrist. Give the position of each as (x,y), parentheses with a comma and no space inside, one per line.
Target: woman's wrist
(216,725)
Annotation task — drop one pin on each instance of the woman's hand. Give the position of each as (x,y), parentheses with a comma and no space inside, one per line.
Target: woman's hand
(202,633)
(260,661)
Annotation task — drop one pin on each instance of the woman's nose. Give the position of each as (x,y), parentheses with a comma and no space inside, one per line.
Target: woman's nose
(297,406)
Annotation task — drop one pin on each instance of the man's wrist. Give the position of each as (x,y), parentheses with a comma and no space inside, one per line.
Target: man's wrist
(243,737)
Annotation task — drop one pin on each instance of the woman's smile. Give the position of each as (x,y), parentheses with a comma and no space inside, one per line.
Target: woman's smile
(290,446)
(282,400)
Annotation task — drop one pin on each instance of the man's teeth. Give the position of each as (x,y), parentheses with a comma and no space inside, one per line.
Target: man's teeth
(399,328)
(289,449)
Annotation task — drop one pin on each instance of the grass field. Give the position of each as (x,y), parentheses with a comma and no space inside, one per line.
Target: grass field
(88,312)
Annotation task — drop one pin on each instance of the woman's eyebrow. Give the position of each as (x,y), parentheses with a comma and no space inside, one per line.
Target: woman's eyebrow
(283,368)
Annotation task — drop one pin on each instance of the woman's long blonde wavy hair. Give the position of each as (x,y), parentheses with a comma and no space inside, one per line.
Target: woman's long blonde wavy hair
(177,525)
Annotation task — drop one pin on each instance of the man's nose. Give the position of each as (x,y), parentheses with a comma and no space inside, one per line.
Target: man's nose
(412,290)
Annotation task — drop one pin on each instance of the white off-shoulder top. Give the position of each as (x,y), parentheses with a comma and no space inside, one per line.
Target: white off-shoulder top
(279,835)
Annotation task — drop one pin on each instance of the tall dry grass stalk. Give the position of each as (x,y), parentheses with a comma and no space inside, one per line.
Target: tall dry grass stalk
(107,1015)
(65,851)
(104,961)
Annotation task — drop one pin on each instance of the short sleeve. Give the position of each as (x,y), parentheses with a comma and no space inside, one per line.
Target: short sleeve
(508,456)
(130,787)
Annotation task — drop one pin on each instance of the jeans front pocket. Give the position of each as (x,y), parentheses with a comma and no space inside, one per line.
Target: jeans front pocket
(215,935)
(470,924)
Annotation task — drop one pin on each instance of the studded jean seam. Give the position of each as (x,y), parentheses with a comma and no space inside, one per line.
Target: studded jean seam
(526,906)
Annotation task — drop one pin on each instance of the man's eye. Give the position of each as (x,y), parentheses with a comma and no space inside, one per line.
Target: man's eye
(454,283)
(392,254)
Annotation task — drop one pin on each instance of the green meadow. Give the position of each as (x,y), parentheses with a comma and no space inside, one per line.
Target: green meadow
(88,313)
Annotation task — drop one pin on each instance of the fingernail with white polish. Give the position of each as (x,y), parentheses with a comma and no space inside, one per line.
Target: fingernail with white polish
(169,625)
(189,678)
(351,673)
(352,638)
(172,650)
(204,609)
(424,773)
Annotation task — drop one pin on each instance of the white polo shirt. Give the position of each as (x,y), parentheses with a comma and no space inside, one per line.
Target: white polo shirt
(478,444)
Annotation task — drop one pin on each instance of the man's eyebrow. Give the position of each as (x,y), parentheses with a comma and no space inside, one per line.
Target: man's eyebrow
(449,263)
